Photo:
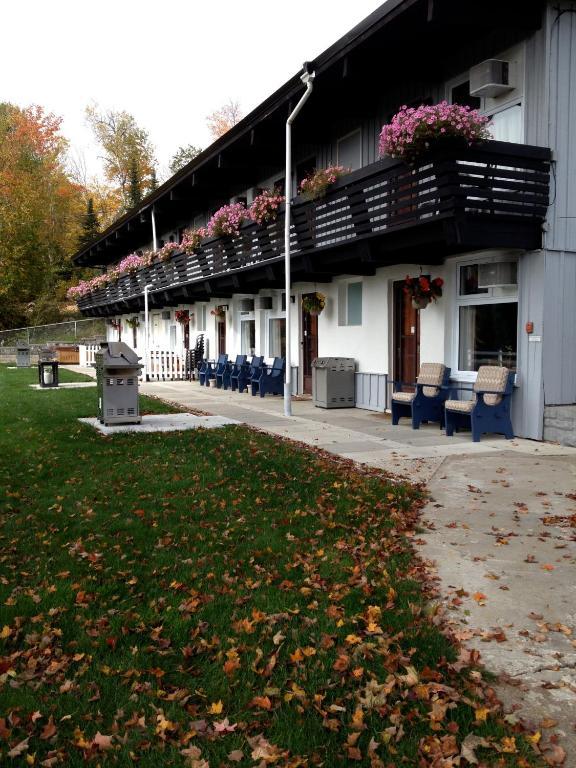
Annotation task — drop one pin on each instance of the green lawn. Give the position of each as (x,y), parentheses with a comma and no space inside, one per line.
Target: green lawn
(215,598)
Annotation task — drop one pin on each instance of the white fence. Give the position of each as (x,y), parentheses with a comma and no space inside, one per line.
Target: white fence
(87,354)
(165,365)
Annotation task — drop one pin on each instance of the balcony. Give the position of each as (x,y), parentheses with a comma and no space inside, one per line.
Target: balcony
(491,196)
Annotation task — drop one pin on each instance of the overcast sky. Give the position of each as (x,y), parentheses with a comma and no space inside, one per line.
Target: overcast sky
(168,62)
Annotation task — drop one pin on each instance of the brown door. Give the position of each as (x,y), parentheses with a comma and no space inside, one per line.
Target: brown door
(221,331)
(406,336)
(309,347)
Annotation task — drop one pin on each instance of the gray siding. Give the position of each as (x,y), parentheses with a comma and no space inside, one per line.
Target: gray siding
(559,361)
(548,295)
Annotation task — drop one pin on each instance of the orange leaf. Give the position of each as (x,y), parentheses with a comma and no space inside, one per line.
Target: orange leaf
(263,702)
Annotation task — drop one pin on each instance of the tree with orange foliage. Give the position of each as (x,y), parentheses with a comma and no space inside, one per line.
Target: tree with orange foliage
(40,216)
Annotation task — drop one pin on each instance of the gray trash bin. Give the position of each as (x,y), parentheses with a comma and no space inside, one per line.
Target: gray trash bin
(117,371)
(22,355)
(333,384)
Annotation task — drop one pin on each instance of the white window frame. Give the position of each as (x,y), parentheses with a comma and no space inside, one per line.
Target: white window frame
(244,317)
(343,316)
(271,315)
(343,138)
(201,318)
(476,300)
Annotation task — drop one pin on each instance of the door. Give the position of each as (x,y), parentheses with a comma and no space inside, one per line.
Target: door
(221,333)
(309,347)
(406,336)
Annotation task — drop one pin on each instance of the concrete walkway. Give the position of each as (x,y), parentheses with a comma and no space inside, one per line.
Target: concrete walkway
(500,531)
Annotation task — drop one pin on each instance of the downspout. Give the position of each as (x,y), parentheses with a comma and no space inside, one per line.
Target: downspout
(146,329)
(307,78)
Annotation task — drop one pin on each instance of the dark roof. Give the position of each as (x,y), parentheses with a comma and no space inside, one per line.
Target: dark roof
(425,17)
(368,26)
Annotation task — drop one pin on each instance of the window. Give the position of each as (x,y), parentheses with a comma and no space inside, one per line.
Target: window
(487,320)
(172,337)
(305,168)
(201,317)
(460,94)
(507,124)
(247,337)
(350,304)
(277,337)
(279,186)
(349,151)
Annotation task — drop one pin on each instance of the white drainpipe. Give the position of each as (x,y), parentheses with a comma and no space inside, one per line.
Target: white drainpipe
(308,79)
(146,329)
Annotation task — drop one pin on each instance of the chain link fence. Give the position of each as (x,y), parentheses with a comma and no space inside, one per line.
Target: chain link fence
(69,332)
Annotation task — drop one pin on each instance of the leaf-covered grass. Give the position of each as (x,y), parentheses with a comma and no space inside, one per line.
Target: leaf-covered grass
(216,598)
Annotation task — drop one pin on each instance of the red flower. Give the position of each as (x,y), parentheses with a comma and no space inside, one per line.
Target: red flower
(438,281)
(424,284)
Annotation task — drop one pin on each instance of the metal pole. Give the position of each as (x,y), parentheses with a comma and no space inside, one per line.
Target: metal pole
(146,331)
(308,79)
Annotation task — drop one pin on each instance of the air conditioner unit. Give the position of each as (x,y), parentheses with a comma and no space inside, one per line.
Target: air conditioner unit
(246,305)
(490,78)
(264,302)
(166,314)
(498,275)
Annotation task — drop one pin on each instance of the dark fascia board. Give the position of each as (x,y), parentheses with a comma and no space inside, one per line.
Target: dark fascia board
(367,27)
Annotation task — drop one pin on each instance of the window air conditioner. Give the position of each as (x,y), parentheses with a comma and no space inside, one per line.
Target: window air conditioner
(490,78)
(166,314)
(246,305)
(498,274)
(264,302)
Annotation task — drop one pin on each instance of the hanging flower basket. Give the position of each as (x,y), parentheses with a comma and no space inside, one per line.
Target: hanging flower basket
(133,322)
(314,303)
(422,290)
(182,316)
(218,312)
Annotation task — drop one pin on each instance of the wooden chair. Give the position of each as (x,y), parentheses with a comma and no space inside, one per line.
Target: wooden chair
(231,369)
(270,379)
(246,373)
(213,369)
(489,408)
(426,403)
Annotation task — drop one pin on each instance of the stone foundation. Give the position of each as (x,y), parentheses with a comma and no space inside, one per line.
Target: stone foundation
(560,424)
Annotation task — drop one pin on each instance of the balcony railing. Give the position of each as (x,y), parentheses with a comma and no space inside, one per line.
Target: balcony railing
(500,185)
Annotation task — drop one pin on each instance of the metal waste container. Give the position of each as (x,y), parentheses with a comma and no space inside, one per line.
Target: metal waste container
(22,355)
(333,384)
(117,371)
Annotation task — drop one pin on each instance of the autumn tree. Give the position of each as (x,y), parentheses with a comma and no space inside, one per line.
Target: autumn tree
(221,120)
(183,156)
(40,216)
(124,144)
(134,184)
(90,224)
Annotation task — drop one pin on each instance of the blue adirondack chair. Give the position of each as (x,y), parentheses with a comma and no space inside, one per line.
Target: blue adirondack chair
(246,373)
(217,370)
(202,370)
(489,408)
(426,403)
(270,379)
(223,378)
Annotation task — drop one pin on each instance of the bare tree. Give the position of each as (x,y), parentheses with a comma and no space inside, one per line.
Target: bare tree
(221,120)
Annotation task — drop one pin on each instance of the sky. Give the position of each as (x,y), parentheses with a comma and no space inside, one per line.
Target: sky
(170,63)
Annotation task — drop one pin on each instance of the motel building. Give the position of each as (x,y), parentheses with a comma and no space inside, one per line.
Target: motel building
(495,221)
